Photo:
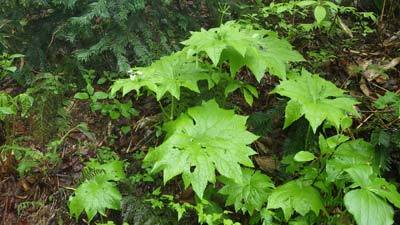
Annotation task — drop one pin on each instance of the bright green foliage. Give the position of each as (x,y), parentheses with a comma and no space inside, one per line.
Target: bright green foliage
(113,170)
(326,14)
(244,46)
(295,196)
(205,139)
(98,193)
(328,145)
(390,100)
(363,176)
(347,155)
(169,74)
(319,13)
(367,208)
(385,189)
(6,64)
(249,91)
(7,106)
(100,101)
(250,194)
(95,196)
(304,156)
(315,98)
(24,103)
(368,203)
(11,105)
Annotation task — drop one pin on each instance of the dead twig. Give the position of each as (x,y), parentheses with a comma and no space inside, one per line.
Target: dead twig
(364,121)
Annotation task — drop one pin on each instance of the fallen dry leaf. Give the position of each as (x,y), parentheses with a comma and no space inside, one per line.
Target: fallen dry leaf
(267,163)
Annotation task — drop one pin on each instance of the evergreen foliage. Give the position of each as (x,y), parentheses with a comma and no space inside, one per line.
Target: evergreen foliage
(104,34)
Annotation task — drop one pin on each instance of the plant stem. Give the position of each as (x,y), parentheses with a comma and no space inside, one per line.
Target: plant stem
(163,110)
(382,12)
(333,23)
(172,108)
(306,144)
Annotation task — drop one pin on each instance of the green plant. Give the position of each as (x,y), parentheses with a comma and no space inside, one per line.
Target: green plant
(21,103)
(205,139)
(230,43)
(250,194)
(98,100)
(98,192)
(389,100)
(208,212)
(102,34)
(296,196)
(371,196)
(318,100)
(325,13)
(243,46)
(338,163)
(6,64)
(28,159)
(167,75)
(48,113)
(28,204)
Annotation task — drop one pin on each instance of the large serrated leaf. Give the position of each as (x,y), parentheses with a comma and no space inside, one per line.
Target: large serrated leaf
(295,196)
(347,155)
(250,194)
(244,46)
(98,193)
(94,196)
(317,99)
(363,176)
(205,139)
(113,170)
(166,75)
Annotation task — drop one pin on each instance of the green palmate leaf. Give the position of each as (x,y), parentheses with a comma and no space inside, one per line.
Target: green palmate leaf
(98,193)
(169,74)
(205,139)
(363,176)
(295,196)
(243,46)
(315,98)
(367,208)
(386,190)
(347,155)
(113,170)
(250,194)
(95,196)
(304,156)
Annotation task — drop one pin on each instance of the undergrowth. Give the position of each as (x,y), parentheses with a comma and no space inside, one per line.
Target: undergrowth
(240,123)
